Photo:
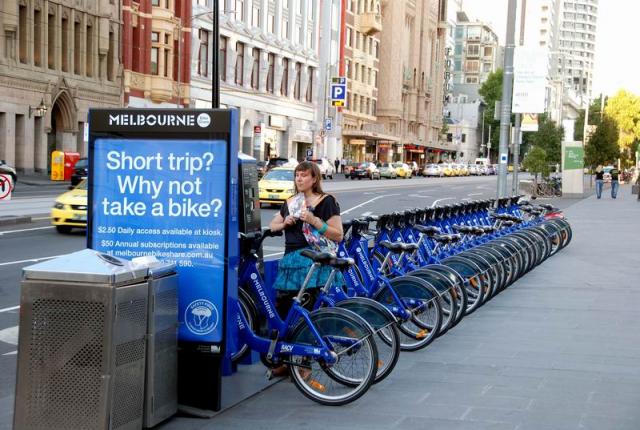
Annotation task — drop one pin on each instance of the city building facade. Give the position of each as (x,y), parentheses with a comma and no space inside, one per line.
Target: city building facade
(268,65)
(411,78)
(58,59)
(156,53)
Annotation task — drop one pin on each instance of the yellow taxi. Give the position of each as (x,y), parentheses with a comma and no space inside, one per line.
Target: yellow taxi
(277,185)
(70,209)
(448,170)
(402,170)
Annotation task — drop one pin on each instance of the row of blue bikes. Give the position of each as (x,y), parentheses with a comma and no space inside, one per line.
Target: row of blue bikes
(398,282)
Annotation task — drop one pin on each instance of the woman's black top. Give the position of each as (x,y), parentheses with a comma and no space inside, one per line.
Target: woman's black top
(600,175)
(293,236)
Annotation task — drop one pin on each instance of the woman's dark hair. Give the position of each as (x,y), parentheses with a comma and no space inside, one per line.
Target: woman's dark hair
(308,166)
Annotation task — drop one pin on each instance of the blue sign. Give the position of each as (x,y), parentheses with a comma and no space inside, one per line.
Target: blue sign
(328,124)
(338,93)
(167,198)
(309,152)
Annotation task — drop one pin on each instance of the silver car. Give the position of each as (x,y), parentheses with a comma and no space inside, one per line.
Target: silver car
(433,170)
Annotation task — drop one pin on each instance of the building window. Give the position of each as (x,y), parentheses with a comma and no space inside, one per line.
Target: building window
(374,107)
(89,49)
(154,60)
(239,11)
(239,63)
(51,52)
(111,55)
(471,80)
(76,48)
(167,61)
(348,37)
(255,16)
(284,85)
(222,59)
(271,60)
(300,35)
(255,70)
(155,2)
(22,35)
(203,57)
(65,44)
(285,29)
(271,23)
(488,51)
(347,68)
(471,66)
(296,86)
(155,36)
(473,50)
(309,97)
(37,38)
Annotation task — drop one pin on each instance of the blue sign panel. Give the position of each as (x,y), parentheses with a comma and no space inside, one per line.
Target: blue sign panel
(338,92)
(167,198)
(328,124)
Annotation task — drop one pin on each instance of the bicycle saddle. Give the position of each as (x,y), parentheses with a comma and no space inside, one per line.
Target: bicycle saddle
(342,263)
(318,257)
(428,230)
(398,247)
(443,238)
(462,228)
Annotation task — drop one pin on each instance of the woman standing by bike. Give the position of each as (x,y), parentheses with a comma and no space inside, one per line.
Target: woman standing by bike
(322,213)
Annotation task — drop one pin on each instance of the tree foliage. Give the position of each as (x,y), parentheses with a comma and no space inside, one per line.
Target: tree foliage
(602,147)
(595,117)
(536,162)
(624,109)
(549,138)
(491,91)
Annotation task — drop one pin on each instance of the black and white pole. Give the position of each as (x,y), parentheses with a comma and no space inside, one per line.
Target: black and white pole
(215,72)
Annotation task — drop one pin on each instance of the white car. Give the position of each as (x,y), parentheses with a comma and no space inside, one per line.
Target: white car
(433,170)
(326,167)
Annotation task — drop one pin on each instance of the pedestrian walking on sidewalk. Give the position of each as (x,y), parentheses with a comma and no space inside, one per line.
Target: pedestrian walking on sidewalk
(343,163)
(599,180)
(615,173)
(337,164)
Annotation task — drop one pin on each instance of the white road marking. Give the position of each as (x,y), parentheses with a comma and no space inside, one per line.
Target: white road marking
(9,335)
(13,308)
(475,194)
(11,353)
(433,205)
(420,196)
(367,202)
(30,260)
(366,213)
(2,233)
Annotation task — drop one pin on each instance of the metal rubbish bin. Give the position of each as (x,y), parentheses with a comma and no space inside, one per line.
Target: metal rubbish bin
(81,352)
(161,382)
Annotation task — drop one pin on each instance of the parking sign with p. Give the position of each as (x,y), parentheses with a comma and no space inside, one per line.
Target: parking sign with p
(338,91)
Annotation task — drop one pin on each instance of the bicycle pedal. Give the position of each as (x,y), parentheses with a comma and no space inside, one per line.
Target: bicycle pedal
(380,363)
(317,385)
(422,334)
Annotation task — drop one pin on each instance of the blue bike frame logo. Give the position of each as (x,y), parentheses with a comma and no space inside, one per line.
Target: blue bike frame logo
(201,317)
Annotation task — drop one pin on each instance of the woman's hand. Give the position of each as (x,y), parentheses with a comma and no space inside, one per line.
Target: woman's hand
(289,221)
(309,217)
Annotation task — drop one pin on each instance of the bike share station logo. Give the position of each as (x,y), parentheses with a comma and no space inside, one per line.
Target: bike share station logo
(164,183)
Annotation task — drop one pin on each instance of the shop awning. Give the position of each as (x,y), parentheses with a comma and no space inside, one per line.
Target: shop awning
(369,135)
(356,142)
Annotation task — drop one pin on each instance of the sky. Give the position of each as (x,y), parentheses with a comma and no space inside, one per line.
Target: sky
(617,60)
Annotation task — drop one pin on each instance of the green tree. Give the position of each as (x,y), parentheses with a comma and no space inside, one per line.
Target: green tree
(491,91)
(624,108)
(536,162)
(548,137)
(603,147)
(595,117)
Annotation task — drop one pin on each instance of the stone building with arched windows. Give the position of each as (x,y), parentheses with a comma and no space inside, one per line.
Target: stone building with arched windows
(58,59)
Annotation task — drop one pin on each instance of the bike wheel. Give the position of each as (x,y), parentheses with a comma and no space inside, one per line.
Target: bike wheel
(475,281)
(385,328)
(350,339)
(444,283)
(248,308)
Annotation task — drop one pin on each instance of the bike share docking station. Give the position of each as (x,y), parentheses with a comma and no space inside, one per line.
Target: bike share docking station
(170,183)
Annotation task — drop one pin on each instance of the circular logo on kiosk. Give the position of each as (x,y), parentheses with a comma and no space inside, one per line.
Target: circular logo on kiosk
(201,317)
(204,120)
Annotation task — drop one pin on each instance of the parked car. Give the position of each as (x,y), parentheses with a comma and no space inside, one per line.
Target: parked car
(8,170)
(414,168)
(448,169)
(474,169)
(463,169)
(80,171)
(402,169)
(70,209)
(365,170)
(349,167)
(387,171)
(277,185)
(433,170)
(281,162)
(326,167)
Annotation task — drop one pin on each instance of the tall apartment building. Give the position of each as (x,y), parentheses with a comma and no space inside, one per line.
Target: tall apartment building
(411,78)
(476,55)
(156,52)
(567,29)
(268,61)
(57,59)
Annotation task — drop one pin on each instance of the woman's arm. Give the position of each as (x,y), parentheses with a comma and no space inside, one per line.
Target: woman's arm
(278,223)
